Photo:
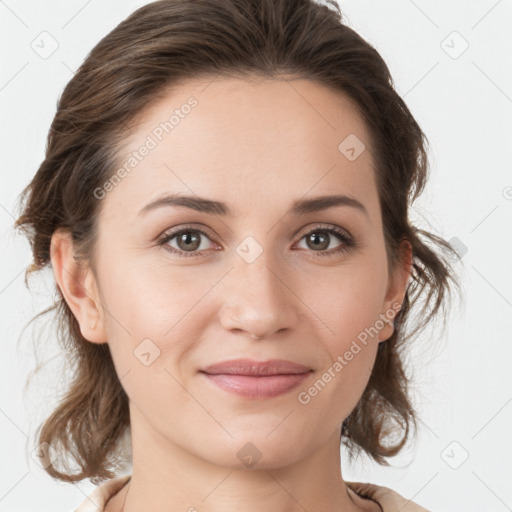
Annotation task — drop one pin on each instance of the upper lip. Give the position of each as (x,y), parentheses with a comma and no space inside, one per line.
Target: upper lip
(256,368)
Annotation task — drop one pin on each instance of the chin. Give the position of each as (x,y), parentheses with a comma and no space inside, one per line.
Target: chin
(255,451)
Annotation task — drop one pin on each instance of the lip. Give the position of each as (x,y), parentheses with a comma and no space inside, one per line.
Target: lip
(256,379)
(256,368)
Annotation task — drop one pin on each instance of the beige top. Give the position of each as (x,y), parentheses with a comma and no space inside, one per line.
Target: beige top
(389,500)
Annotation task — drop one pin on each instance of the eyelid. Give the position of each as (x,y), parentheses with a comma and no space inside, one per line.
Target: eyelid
(172,232)
(319,226)
(344,235)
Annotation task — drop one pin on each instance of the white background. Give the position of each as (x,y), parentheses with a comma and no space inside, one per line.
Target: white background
(462,377)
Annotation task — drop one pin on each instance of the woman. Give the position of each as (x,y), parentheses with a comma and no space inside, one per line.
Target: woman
(224,203)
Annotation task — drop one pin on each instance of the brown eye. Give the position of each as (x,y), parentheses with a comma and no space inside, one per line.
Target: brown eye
(188,241)
(319,239)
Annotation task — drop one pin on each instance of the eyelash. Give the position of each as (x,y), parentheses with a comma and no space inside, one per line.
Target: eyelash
(347,245)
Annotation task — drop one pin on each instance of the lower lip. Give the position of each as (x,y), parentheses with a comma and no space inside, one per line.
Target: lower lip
(257,387)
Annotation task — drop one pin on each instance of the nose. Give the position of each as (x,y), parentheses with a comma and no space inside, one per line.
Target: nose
(258,299)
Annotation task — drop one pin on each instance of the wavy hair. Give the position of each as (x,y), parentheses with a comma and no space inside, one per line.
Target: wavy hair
(158,46)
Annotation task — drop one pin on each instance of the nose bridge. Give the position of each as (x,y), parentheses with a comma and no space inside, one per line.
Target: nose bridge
(258,301)
(258,277)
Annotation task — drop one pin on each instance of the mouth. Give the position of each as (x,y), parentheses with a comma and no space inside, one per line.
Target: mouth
(257,387)
(250,367)
(255,379)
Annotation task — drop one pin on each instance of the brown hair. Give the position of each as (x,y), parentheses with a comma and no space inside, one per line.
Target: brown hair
(167,42)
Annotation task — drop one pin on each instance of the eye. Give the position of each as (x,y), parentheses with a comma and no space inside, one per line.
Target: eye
(188,241)
(320,238)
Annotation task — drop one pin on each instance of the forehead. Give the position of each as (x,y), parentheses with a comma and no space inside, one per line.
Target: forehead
(247,141)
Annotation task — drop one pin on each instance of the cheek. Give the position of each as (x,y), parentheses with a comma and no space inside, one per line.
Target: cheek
(349,303)
(147,331)
(153,321)
(149,300)
(350,311)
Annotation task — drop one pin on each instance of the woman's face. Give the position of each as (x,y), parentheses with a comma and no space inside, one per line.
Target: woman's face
(256,272)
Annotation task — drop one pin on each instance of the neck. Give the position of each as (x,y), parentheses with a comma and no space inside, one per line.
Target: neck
(166,477)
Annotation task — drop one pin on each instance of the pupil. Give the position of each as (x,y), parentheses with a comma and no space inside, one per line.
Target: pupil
(317,239)
(187,239)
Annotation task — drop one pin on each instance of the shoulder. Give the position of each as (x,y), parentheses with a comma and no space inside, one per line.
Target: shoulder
(388,499)
(97,500)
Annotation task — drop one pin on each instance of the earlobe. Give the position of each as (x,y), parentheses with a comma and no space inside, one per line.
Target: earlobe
(397,288)
(78,287)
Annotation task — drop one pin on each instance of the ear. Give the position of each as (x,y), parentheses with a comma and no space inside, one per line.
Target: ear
(78,286)
(397,288)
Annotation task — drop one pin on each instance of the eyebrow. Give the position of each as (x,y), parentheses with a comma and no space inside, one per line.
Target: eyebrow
(299,207)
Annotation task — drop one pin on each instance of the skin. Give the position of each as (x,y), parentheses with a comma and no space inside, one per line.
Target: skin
(257,146)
